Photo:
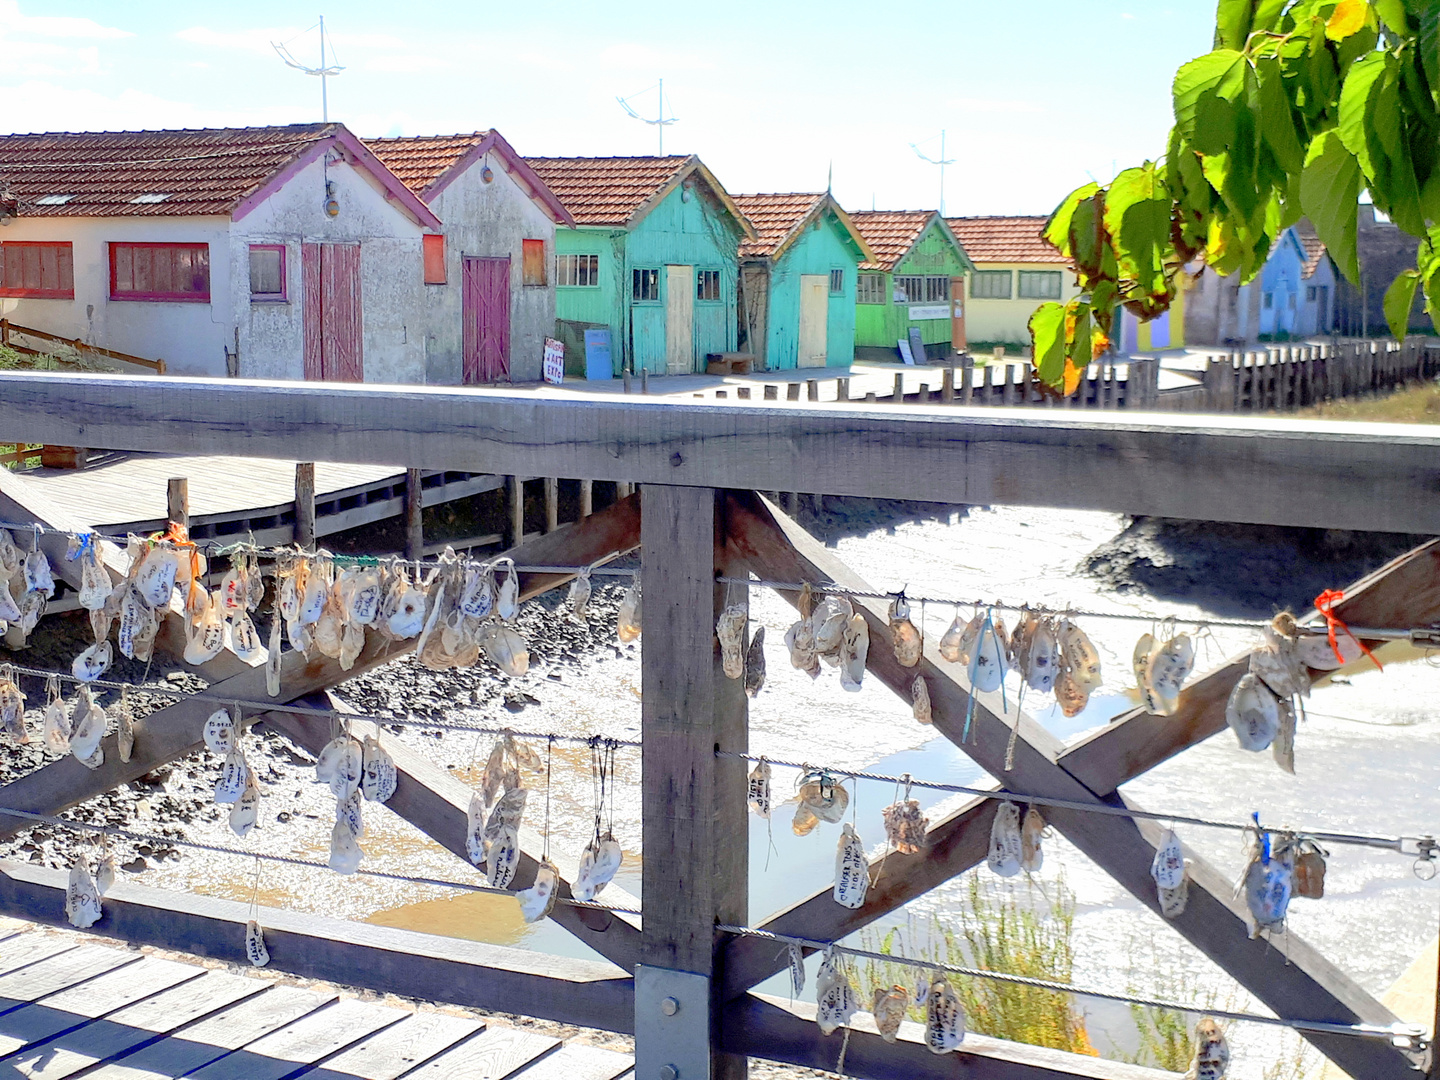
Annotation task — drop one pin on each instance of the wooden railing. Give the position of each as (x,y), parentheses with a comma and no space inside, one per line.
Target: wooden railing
(7,329)
(19,455)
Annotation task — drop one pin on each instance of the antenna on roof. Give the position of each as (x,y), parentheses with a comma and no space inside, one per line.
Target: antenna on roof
(942,161)
(322,71)
(659,123)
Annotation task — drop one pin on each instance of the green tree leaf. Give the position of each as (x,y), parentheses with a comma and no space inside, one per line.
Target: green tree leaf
(1047,344)
(1330,194)
(1277,121)
(1057,230)
(1392,14)
(1208,94)
(1232,23)
(1398,299)
(1356,108)
(1428,39)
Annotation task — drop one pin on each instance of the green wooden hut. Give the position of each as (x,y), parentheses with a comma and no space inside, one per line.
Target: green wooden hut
(653,258)
(915,280)
(797,281)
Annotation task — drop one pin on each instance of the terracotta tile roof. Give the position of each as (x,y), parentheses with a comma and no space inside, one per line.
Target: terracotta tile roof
(890,233)
(606,191)
(1004,239)
(195,172)
(1313,245)
(421,160)
(774,217)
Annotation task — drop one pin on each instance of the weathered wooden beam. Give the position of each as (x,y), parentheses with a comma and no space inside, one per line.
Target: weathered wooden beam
(778,1030)
(1283,971)
(305,504)
(1284,472)
(385,959)
(1403,593)
(414,514)
(954,844)
(696,836)
(177,500)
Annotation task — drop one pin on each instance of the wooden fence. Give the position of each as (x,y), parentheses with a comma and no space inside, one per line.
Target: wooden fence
(9,331)
(683,986)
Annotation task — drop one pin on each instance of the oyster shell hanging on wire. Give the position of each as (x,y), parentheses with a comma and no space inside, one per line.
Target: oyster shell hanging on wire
(755,663)
(1079,656)
(1277,661)
(234,777)
(951,641)
(1004,857)
(920,700)
(1140,662)
(987,660)
(87,728)
(219,732)
(475,829)
(82,898)
(905,826)
(95,585)
(1267,883)
(1253,713)
(538,901)
(889,1007)
(730,629)
(506,648)
(1168,866)
(627,626)
(272,660)
(380,775)
(904,635)
(507,594)
(1168,668)
(12,706)
(255,950)
(800,638)
(246,810)
(835,1001)
(852,870)
(105,871)
(38,577)
(56,722)
(854,652)
(502,857)
(1211,1059)
(578,599)
(93,662)
(1032,830)
(758,789)
(1309,872)
(125,725)
(1283,748)
(944,1017)
(345,853)
(1315,650)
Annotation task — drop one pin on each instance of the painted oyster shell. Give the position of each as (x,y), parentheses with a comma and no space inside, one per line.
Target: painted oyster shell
(1032,830)
(538,901)
(758,789)
(854,653)
(255,950)
(944,1018)
(730,629)
(82,898)
(379,772)
(852,870)
(889,1007)
(219,732)
(920,700)
(1253,713)
(835,1001)
(1004,857)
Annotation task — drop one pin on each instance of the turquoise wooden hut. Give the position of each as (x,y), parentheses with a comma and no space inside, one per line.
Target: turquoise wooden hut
(915,280)
(652,259)
(797,281)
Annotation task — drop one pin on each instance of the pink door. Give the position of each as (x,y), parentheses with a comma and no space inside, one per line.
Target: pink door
(331,312)
(485,313)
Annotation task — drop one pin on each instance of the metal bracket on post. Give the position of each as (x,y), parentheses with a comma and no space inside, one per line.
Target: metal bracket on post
(672,1024)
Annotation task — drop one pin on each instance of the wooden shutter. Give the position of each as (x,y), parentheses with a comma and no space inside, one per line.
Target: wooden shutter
(434,253)
(533,269)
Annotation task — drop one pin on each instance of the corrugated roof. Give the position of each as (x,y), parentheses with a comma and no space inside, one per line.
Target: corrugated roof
(421,160)
(606,191)
(206,171)
(774,217)
(1004,239)
(890,233)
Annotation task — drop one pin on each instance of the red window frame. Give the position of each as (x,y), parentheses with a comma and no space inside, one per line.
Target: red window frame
(433,250)
(171,296)
(272,298)
(65,270)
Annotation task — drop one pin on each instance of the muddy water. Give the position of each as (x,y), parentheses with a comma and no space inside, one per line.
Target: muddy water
(1367,759)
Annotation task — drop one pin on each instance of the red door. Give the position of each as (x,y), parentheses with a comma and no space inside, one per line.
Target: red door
(485,313)
(331,316)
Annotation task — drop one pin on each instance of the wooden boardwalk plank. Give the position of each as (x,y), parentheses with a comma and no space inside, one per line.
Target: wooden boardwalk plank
(579,1063)
(396,1050)
(131,1027)
(21,1028)
(17,952)
(51,975)
(308,1040)
(10,928)
(197,1045)
(494,1054)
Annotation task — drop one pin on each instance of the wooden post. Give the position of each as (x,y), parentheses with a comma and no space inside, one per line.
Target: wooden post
(1007,395)
(897,396)
(623,489)
(987,396)
(517,510)
(812,390)
(552,503)
(967,381)
(177,501)
(414,519)
(587,498)
(792,391)
(695,830)
(842,389)
(947,386)
(644,381)
(625,374)
(305,504)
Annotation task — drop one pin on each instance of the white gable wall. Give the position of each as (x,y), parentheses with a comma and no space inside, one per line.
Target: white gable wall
(189,337)
(392,299)
(490,220)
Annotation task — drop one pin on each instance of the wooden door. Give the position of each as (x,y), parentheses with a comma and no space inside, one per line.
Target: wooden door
(680,320)
(331,318)
(485,314)
(814,315)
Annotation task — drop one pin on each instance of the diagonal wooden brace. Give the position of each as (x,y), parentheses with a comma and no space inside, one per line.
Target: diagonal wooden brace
(1287,974)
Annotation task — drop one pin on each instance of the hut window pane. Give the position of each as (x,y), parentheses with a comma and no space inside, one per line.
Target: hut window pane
(909,289)
(990,285)
(38,270)
(707,285)
(578,271)
(870,289)
(534,264)
(267,272)
(645,285)
(937,289)
(1040,284)
(160,272)
(837,282)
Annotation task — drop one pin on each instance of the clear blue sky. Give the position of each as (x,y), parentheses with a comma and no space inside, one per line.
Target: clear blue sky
(1035,95)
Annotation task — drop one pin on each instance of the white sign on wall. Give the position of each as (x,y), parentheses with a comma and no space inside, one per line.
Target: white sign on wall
(554,361)
(929,311)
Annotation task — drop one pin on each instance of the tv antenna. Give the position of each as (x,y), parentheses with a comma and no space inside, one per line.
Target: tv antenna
(942,161)
(323,71)
(660,123)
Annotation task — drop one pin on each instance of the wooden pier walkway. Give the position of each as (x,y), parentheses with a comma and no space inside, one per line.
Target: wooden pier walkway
(70,1007)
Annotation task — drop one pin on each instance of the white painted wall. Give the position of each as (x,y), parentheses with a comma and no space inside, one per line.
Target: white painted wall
(490,220)
(191,337)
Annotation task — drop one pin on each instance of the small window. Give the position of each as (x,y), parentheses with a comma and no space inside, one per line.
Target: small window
(178,272)
(1269,301)
(1290,301)
(433,251)
(1040,284)
(267,272)
(909,289)
(534,266)
(837,282)
(577,271)
(645,285)
(937,289)
(38,271)
(870,289)
(1310,294)
(990,285)
(707,285)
